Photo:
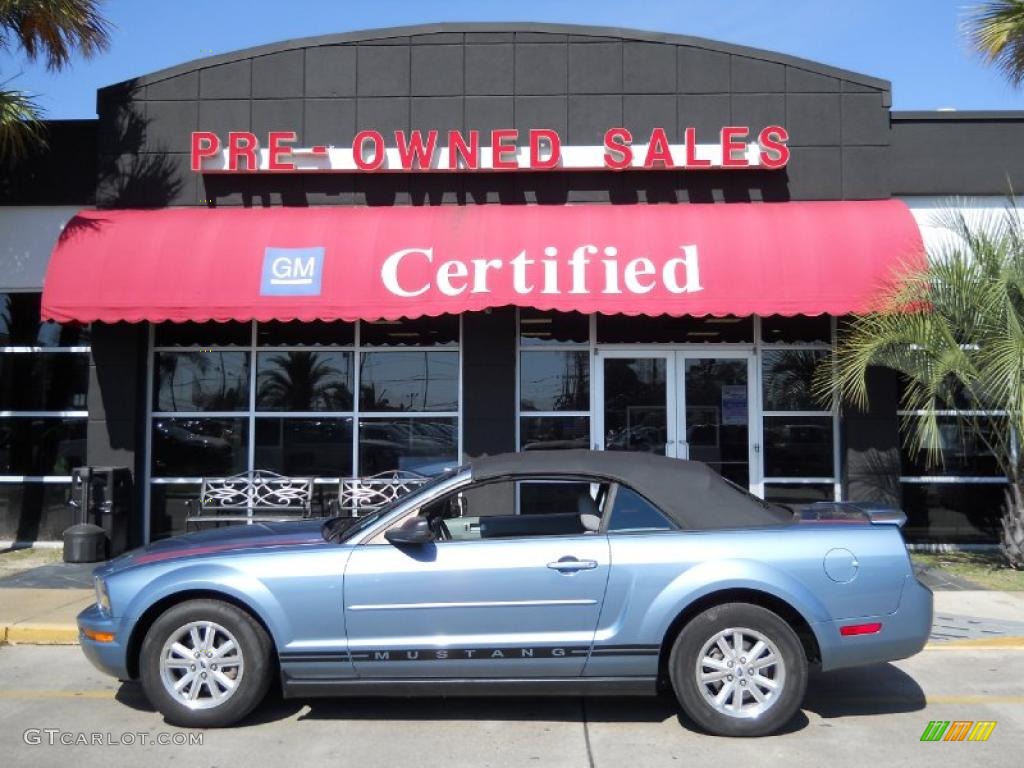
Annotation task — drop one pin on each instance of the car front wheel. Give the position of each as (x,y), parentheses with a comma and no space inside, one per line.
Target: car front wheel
(738,670)
(205,664)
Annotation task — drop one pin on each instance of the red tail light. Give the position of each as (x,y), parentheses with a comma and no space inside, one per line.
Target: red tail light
(861,629)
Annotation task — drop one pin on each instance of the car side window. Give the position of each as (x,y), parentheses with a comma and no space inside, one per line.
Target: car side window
(518,509)
(632,513)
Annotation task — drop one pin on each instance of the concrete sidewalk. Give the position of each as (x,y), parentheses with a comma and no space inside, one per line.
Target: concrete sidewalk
(974,618)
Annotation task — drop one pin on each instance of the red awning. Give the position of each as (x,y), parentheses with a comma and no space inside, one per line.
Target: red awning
(350,263)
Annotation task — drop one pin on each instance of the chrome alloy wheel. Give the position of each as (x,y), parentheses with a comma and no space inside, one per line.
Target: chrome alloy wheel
(740,672)
(201,665)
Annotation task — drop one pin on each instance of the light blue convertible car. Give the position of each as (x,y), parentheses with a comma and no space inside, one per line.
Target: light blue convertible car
(551,572)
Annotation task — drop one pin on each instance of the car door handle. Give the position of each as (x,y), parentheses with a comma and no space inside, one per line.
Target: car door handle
(571,565)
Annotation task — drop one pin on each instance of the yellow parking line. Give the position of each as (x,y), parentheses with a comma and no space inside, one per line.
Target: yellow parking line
(57,694)
(976,699)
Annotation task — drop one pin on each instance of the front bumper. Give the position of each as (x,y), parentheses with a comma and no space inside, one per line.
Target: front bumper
(904,632)
(110,658)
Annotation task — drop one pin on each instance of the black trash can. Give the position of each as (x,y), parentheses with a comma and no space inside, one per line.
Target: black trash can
(85,543)
(103,496)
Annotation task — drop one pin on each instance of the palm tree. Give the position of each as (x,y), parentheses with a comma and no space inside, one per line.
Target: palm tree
(954,329)
(52,30)
(302,381)
(996,30)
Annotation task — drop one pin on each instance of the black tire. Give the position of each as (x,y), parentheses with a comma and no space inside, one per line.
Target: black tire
(687,651)
(253,644)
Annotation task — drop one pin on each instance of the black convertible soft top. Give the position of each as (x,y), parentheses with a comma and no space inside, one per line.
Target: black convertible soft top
(690,492)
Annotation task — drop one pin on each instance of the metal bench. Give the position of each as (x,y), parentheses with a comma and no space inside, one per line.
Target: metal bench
(363,495)
(260,496)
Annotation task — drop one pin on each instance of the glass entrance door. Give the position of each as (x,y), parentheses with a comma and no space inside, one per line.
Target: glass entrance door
(695,405)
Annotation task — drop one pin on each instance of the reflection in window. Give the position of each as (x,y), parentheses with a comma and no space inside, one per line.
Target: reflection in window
(539,433)
(305,447)
(304,381)
(799,493)
(203,334)
(45,381)
(798,446)
(21,325)
(662,329)
(41,446)
(788,377)
(201,381)
(962,512)
(799,329)
(539,328)
(409,381)
(554,381)
(200,447)
(439,331)
(632,512)
(964,452)
(635,400)
(423,445)
(296,333)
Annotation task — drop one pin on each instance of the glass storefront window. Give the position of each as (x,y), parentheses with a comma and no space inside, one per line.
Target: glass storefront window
(21,325)
(623,329)
(798,493)
(962,512)
(423,445)
(554,380)
(799,329)
(554,432)
(168,508)
(787,376)
(305,447)
(201,381)
(798,446)
(441,331)
(41,446)
(199,447)
(539,328)
(44,381)
(203,334)
(964,453)
(34,511)
(304,381)
(299,334)
(635,404)
(409,381)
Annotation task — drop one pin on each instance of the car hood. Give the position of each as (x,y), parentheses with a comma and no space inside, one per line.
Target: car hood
(219,541)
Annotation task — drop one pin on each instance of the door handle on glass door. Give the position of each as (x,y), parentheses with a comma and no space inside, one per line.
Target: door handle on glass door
(571,564)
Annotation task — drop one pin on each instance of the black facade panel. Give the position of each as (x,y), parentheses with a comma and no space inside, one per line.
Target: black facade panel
(330,71)
(541,68)
(802,81)
(278,115)
(385,115)
(706,113)
(224,115)
(440,113)
(490,69)
(648,68)
(595,67)
(437,70)
(180,88)
(488,382)
(329,121)
(279,75)
(865,119)
(145,180)
(957,153)
(61,173)
(702,71)
(488,113)
(226,81)
(757,110)
(590,116)
(867,172)
(871,444)
(813,119)
(815,173)
(642,113)
(383,70)
(750,75)
(541,112)
(169,126)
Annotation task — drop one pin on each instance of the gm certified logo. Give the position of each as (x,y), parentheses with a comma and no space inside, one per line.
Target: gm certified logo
(292,271)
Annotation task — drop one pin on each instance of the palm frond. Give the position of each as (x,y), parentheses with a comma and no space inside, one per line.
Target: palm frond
(54,30)
(996,31)
(20,127)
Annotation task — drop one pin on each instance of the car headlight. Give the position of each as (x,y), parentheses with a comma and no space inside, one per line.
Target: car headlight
(102,596)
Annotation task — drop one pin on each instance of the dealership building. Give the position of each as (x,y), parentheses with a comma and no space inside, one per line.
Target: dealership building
(397,249)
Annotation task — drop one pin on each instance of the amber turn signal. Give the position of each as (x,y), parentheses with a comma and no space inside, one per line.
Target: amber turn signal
(99,637)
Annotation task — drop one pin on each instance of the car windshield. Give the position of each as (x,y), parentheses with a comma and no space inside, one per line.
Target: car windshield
(343,528)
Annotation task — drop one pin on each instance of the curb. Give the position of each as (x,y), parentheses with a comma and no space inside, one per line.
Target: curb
(979,643)
(38,634)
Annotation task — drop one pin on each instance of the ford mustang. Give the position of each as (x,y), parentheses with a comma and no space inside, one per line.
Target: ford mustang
(547,572)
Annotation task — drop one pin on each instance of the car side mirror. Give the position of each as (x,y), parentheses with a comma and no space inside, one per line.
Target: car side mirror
(416,530)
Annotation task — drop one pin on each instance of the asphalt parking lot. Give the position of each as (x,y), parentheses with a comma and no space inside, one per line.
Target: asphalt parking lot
(874,715)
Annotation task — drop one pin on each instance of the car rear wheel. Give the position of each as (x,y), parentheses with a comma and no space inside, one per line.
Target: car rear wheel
(738,670)
(205,664)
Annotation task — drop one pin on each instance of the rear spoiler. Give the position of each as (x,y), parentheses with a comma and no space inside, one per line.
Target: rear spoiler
(852,512)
